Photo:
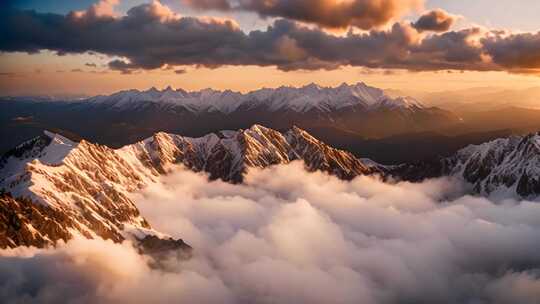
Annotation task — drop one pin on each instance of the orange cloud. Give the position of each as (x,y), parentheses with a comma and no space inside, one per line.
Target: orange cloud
(364,14)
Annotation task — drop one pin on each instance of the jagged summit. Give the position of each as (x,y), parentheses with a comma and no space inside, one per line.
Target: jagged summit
(49,148)
(504,165)
(86,187)
(302,99)
(124,117)
(502,168)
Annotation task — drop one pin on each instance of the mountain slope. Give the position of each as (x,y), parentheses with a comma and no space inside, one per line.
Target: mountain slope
(85,188)
(86,183)
(507,164)
(55,189)
(365,110)
(228,154)
(503,167)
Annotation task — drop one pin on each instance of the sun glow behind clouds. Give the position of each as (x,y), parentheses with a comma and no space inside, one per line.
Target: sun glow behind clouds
(24,74)
(49,74)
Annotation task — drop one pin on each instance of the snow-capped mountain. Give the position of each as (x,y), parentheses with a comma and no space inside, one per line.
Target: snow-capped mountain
(129,116)
(54,188)
(304,99)
(501,166)
(79,188)
(85,188)
(505,167)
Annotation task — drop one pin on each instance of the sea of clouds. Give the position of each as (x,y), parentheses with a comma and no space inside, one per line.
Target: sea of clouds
(290,236)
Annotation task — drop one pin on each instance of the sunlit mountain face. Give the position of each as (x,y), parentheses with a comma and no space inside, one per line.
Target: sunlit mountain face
(221,151)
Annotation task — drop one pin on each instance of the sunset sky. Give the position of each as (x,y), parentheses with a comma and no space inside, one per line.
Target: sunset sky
(93,47)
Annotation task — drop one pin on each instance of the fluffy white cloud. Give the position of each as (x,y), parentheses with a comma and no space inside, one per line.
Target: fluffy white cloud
(289,236)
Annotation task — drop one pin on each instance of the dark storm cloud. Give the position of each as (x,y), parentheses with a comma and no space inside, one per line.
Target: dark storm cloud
(519,52)
(436,21)
(151,36)
(209,4)
(365,14)
(119,65)
(450,50)
(148,35)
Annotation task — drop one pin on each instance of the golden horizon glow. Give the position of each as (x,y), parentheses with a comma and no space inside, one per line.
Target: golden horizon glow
(47,73)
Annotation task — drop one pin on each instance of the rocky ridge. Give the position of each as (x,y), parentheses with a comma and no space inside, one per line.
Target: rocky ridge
(505,167)
(86,188)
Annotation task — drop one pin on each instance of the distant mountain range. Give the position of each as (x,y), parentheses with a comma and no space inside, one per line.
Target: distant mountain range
(476,99)
(55,188)
(283,99)
(358,118)
(128,116)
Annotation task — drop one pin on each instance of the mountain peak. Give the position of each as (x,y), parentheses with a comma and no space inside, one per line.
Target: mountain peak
(302,99)
(299,131)
(343,85)
(57,138)
(312,87)
(501,168)
(85,188)
(258,128)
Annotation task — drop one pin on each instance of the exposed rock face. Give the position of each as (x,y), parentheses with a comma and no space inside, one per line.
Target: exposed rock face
(84,188)
(80,187)
(24,223)
(163,248)
(506,166)
(228,154)
(56,188)
(319,156)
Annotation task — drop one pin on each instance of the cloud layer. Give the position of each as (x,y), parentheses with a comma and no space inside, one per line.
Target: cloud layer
(364,14)
(289,236)
(151,36)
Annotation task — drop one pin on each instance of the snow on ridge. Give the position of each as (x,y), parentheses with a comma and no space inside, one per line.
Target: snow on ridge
(501,168)
(298,99)
(48,153)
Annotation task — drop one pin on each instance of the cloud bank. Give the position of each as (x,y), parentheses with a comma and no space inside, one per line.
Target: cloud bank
(289,236)
(364,14)
(151,36)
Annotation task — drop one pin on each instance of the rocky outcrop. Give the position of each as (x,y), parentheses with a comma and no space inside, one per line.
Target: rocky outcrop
(508,164)
(161,249)
(24,223)
(227,155)
(319,156)
(503,167)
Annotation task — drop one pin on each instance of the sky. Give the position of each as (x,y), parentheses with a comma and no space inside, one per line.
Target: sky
(93,47)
